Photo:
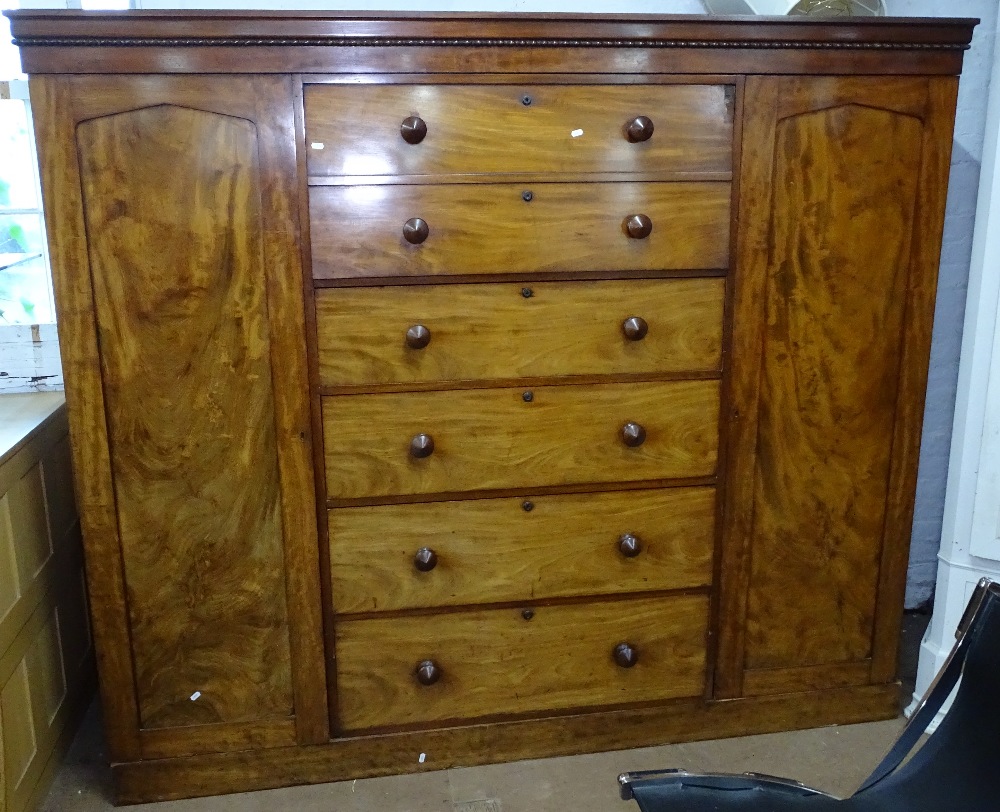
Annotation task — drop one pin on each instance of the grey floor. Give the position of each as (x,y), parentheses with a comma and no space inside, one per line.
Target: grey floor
(835,759)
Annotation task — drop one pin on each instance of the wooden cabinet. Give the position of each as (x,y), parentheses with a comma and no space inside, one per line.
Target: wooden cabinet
(46,657)
(487,387)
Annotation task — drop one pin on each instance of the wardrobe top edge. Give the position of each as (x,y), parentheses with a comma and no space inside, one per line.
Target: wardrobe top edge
(174,42)
(27,24)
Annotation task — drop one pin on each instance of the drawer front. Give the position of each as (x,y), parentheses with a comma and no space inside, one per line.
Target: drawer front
(361,231)
(492,550)
(497,662)
(493,331)
(489,129)
(495,439)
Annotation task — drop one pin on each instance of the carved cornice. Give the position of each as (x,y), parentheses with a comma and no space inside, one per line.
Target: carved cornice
(473,42)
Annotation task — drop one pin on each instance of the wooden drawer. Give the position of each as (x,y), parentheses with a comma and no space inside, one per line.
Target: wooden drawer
(489,129)
(493,331)
(494,439)
(492,550)
(357,231)
(499,662)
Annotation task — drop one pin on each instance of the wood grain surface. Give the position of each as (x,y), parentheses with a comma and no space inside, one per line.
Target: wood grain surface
(267,101)
(495,662)
(218,737)
(367,48)
(357,231)
(489,439)
(176,266)
(741,384)
(770,681)
(494,331)
(492,550)
(286,281)
(489,129)
(678,720)
(842,227)
(939,123)
(53,101)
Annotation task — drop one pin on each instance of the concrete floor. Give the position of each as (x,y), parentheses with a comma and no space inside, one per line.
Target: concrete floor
(835,759)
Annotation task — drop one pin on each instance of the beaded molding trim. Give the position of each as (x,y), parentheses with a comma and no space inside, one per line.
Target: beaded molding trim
(463,42)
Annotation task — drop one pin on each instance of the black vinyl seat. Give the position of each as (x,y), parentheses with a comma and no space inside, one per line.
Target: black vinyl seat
(958,768)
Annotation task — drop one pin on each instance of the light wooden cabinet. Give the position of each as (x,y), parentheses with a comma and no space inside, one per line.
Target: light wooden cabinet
(46,658)
(488,387)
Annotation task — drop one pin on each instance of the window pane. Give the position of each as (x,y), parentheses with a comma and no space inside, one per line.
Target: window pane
(17,173)
(24,284)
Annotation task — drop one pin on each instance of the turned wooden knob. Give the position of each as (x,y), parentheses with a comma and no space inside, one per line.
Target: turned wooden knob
(415,230)
(638,226)
(629,545)
(414,128)
(626,655)
(421,446)
(638,129)
(418,336)
(634,327)
(427,672)
(633,435)
(425,560)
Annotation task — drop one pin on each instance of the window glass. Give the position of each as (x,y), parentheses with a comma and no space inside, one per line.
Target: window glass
(17,171)
(25,289)
(24,283)
(25,296)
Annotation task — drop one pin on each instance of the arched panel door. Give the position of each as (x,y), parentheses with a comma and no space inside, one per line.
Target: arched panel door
(835,286)
(190,407)
(175,264)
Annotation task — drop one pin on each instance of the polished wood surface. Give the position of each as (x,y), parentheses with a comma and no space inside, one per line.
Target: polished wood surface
(939,122)
(261,100)
(492,550)
(494,331)
(359,756)
(286,282)
(742,384)
(769,681)
(497,662)
(191,426)
(499,129)
(748,412)
(840,229)
(357,231)
(52,105)
(401,42)
(493,439)
(217,737)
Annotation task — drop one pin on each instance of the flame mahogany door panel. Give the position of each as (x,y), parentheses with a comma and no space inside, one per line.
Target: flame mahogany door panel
(842,189)
(187,205)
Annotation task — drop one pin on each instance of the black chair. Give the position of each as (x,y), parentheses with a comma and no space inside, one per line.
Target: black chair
(958,768)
